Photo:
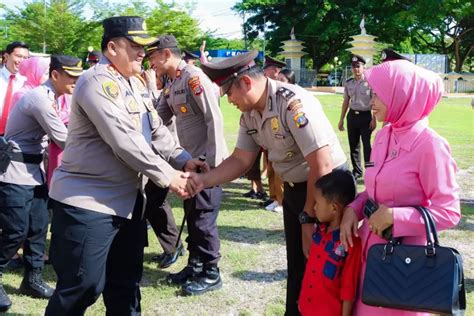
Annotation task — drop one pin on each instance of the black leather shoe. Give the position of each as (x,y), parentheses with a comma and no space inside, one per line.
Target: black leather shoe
(15,263)
(159,257)
(5,302)
(193,268)
(250,194)
(208,280)
(34,286)
(261,196)
(169,258)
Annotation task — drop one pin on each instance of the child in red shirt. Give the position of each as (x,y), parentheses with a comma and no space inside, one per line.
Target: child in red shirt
(330,281)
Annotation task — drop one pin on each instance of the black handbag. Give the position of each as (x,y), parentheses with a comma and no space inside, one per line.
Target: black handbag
(414,277)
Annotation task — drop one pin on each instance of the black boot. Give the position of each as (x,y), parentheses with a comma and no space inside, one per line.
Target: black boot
(208,280)
(34,286)
(5,302)
(169,258)
(193,268)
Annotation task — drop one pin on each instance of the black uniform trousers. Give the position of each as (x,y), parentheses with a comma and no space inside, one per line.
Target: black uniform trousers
(203,236)
(23,220)
(94,253)
(294,199)
(160,216)
(358,126)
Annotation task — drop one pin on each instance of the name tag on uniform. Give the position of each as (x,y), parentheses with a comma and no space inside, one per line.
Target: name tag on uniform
(370,164)
(251,131)
(279,136)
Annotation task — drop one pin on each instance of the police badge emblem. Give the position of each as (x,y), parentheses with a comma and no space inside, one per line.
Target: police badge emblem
(111,89)
(274,124)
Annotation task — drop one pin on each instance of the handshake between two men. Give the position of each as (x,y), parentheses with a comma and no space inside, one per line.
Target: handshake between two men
(188,183)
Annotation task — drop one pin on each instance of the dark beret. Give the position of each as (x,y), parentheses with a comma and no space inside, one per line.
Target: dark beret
(355,59)
(269,61)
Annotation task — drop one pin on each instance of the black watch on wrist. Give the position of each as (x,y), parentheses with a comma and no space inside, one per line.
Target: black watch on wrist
(304,218)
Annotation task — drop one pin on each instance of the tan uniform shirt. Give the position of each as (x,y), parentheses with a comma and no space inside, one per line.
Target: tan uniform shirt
(191,98)
(115,135)
(292,126)
(359,94)
(33,119)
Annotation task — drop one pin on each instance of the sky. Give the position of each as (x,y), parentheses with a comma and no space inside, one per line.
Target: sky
(211,14)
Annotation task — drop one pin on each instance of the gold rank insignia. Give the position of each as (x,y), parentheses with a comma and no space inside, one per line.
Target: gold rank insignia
(166,91)
(154,114)
(195,85)
(111,89)
(136,120)
(274,123)
(112,69)
(300,120)
(183,109)
(133,106)
(290,154)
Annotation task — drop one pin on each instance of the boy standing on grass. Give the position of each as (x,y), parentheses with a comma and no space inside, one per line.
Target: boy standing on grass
(330,280)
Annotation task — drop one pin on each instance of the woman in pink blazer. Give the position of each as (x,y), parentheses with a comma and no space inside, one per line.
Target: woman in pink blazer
(412,165)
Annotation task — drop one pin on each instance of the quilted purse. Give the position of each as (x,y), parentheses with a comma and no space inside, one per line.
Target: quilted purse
(415,277)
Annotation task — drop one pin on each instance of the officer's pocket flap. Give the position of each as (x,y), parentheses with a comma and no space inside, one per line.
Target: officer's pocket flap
(11,201)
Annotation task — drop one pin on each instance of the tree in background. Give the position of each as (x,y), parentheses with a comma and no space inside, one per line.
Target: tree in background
(326,25)
(62,26)
(59,26)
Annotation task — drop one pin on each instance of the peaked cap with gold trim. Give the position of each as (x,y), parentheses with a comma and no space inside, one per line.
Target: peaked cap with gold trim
(131,27)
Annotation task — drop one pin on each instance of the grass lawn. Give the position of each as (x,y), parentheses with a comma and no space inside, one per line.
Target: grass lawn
(253,255)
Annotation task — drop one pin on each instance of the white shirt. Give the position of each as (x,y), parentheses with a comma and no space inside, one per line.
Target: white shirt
(4,79)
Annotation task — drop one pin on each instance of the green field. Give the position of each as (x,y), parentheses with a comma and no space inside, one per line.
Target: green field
(252,239)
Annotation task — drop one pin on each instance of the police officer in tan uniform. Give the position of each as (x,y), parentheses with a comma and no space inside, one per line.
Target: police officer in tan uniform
(190,97)
(289,122)
(360,123)
(23,190)
(116,141)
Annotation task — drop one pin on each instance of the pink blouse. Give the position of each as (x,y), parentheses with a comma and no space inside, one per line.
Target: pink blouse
(418,170)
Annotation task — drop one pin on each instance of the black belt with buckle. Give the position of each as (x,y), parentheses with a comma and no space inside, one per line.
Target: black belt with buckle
(27,158)
(359,112)
(297,186)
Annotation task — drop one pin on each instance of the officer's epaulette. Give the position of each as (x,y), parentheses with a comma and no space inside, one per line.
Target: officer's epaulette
(285,93)
(350,79)
(139,77)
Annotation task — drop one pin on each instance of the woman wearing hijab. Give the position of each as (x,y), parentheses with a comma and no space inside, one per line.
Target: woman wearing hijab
(411,166)
(35,69)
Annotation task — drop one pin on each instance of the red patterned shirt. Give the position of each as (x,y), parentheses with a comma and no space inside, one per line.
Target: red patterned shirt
(331,274)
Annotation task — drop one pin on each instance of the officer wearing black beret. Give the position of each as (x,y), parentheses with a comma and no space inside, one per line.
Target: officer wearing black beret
(189,57)
(190,97)
(272,67)
(116,141)
(290,123)
(23,191)
(360,123)
(389,54)
(93,58)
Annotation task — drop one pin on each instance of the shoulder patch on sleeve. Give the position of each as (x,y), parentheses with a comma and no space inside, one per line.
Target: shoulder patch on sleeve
(285,93)
(295,106)
(111,89)
(300,120)
(195,85)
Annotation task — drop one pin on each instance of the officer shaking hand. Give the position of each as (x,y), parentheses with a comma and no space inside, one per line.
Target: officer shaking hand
(290,123)
(116,142)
